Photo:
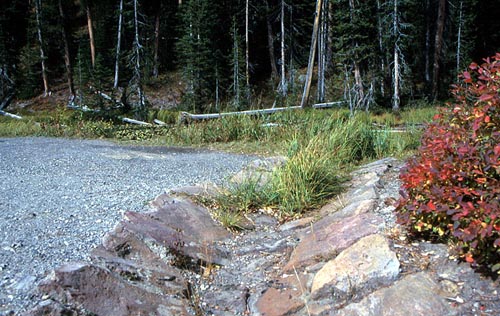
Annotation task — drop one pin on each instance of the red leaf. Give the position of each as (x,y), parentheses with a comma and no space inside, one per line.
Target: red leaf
(497,150)
(468,258)
(431,206)
(485,97)
(467,78)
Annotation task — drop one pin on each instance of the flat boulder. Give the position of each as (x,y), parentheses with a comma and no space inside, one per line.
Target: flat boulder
(416,294)
(328,237)
(181,226)
(367,264)
(85,289)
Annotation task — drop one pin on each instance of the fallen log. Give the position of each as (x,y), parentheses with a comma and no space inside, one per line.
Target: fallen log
(327,105)
(132,121)
(186,117)
(158,122)
(103,95)
(17,117)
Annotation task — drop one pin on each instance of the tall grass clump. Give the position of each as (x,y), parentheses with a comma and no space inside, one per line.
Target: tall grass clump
(320,150)
(317,167)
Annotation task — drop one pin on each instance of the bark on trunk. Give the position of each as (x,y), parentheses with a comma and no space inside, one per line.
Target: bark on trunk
(270,45)
(459,36)
(38,7)
(91,33)
(67,59)
(322,53)
(283,84)
(137,70)
(157,41)
(247,53)
(438,45)
(381,48)
(360,90)
(312,53)
(118,45)
(427,43)
(359,83)
(396,76)
(236,66)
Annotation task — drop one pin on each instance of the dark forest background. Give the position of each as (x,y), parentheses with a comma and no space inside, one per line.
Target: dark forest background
(386,53)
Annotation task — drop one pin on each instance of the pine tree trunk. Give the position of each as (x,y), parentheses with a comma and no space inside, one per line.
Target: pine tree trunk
(322,53)
(396,75)
(381,48)
(427,43)
(312,53)
(118,44)
(329,36)
(157,42)
(360,91)
(38,7)
(247,49)
(358,80)
(459,35)
(438,45)
(270,44)
(283,72)
(91,33)
(67,59)
(236,66)
(137,68)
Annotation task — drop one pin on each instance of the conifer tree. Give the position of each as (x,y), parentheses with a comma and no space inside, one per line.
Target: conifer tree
(195,50)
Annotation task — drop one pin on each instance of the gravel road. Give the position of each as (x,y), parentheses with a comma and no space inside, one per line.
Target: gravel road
(58,197)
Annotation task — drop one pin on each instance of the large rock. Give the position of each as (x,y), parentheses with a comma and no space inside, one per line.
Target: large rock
(84,289)
(180,226)
(355,208)
(190,218)
(328,237)
(416,294)
(134,260)
(365,265)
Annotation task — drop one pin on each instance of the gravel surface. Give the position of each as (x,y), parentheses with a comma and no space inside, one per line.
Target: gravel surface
(58,197)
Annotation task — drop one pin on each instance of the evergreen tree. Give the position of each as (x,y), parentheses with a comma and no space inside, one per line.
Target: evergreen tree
(237,62)
(195,50)
(355,29)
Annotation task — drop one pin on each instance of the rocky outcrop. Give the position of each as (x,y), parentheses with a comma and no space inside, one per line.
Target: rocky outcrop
(348,258)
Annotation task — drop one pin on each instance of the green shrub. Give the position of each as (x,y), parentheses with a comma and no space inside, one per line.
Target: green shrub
(451,188)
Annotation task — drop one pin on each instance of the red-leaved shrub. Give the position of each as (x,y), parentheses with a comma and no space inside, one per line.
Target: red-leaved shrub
(451,187)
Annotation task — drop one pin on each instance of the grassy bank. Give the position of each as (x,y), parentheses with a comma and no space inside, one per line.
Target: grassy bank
(321,148)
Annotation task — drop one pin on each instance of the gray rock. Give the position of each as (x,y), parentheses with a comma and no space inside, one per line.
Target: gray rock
(84,289)
(328,238)
(416,294)
(367,264)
